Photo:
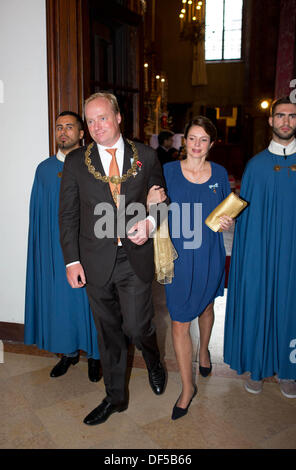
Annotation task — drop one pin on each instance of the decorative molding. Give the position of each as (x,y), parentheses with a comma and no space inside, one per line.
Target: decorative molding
(65,23)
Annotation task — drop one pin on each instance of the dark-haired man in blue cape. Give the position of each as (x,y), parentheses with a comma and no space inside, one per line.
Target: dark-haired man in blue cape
(260,323)
(57,317)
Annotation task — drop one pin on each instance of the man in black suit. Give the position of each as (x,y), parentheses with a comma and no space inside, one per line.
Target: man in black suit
(165,151)
(101,186)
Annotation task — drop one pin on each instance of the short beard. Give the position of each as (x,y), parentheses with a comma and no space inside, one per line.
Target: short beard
(66,146)
(283,137)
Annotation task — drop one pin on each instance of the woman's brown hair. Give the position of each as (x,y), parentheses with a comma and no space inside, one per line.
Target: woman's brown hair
(203,122)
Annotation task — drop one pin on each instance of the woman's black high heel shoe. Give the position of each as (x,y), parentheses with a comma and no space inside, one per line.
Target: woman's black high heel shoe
(180,412)
(205,371)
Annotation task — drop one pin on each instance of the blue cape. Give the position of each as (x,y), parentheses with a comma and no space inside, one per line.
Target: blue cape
(260,323)
(57,317)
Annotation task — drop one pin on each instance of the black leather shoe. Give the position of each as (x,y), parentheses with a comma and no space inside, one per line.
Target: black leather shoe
(94,370)
(63,365)
(102,412)
(205,371)
(157,378)
(180,412)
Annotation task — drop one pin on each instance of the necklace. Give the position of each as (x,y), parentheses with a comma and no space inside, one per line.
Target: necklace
(114,179)
(191,174)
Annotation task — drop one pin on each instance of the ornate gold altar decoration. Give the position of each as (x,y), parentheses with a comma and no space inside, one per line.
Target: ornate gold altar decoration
(192,28)
(137,6)
(156,116)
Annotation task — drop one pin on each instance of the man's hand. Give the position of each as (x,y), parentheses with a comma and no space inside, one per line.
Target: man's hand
(142,229)
(76,276)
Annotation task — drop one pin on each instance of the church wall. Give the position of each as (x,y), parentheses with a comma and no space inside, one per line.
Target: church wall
(24,139)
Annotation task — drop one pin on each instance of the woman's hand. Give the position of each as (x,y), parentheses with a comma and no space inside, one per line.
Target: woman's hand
(226,222)
(156,195)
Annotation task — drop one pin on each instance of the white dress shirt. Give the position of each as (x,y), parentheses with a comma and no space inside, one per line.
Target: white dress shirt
(106,157)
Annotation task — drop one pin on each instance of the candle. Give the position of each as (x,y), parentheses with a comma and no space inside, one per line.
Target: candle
(146,76)
(162,88)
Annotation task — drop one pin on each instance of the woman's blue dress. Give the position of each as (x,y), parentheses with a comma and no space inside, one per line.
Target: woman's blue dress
(199,271)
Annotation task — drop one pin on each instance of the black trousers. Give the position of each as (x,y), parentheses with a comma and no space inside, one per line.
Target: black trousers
(123,310)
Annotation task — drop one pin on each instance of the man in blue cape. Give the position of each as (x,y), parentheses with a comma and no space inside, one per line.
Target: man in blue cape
(57,317)
(260,323)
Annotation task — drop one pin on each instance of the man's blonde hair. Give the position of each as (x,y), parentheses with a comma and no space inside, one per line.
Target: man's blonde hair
(108,96)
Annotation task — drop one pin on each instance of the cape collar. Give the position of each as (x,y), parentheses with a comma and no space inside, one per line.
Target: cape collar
(60,156)
(279,149)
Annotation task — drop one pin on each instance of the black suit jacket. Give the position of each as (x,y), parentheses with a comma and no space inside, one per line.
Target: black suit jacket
(166,156)
(79,195)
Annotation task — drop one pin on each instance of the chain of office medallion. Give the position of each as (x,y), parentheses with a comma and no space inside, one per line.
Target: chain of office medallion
(113,179)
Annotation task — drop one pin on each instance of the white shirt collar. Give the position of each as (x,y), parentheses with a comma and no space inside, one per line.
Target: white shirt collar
(61,156)
(119,145)
(278,149)
(106,157)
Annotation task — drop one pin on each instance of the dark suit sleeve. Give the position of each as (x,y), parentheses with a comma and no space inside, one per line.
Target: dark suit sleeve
(69,212)
(156,175)
(158,211)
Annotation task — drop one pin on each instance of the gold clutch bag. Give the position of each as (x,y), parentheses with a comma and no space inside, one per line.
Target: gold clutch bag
(231,206)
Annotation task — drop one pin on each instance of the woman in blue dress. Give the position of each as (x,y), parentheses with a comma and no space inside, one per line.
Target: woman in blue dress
(197,186)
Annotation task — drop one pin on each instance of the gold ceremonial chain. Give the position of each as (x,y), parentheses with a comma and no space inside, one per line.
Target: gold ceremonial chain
(113,179)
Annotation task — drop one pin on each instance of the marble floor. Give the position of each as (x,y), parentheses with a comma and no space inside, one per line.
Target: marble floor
(39,412)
